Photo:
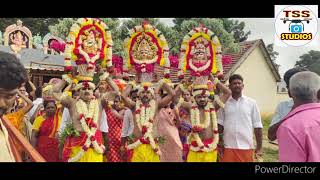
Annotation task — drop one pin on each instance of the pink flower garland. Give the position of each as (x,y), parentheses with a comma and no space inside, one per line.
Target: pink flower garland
(57,46)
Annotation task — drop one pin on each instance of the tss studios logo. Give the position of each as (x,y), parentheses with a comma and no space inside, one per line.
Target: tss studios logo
(296,25)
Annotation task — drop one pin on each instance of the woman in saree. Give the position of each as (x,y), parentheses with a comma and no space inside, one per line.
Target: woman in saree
(44,130)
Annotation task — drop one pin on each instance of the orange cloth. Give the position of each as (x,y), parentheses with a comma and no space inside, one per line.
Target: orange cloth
(237,155)
(16,118)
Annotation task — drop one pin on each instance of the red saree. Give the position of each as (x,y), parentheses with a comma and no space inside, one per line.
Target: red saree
(48,144)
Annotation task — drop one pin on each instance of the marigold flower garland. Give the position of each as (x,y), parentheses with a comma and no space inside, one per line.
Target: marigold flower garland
(104,54)
(214,65)
(90,113)
(157,39)
(197,127)
(144,117)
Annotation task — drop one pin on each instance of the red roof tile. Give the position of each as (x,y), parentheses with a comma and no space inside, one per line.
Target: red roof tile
(235,57)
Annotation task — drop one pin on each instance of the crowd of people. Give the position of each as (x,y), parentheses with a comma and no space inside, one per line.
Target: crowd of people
(49,118)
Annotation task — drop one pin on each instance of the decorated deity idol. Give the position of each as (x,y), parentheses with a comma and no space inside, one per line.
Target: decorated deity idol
(204,137)
(201,54)
(89,42)
(145,47)
(18,42)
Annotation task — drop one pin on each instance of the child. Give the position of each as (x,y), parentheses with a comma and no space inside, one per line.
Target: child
(184,131)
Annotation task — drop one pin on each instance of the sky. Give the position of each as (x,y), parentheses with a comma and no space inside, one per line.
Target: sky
(263,28)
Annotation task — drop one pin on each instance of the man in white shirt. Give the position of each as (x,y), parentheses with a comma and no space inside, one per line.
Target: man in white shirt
(127,126)
(237,121)
(283,107)
(36,103)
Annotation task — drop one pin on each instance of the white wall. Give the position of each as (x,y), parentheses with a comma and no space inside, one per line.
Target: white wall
(259,82)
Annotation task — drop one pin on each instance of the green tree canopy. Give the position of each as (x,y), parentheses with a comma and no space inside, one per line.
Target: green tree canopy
(169,33)
(273,54)
(236,28)
(62,27)
(228,42)
(173,35)
(36,25)
(310,60)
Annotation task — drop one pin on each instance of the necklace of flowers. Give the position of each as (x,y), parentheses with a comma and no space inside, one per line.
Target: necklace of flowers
(144,118)
(146,62)
(200,69)
(88,59)
(197,127)
(90,113)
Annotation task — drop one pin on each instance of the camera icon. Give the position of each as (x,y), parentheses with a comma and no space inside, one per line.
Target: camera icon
(296,28)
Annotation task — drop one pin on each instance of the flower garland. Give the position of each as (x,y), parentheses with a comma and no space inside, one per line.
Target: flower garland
(72,50)
(86,85)
(144,119)
(200,69)
(197,127)
(162,56)
(90,113)
(214,65)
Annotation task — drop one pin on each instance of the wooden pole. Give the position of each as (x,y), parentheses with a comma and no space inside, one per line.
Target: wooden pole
(19,139)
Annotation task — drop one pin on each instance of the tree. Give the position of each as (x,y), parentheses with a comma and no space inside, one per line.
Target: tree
(36,25)
(171,35)
(179,21)
(184,25)
(236,28)
(273,54)
(5,22)
(62,27)
(310,60)
(114,26)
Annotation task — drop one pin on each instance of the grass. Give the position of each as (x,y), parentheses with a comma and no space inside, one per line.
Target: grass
(270,151)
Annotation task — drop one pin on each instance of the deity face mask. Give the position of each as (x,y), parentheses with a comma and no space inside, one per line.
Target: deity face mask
(200,50)
(18,38)
(90,40)
(144,49)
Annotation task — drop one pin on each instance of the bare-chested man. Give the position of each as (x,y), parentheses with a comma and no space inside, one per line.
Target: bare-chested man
(145,146)
(86,119)
(204,136)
